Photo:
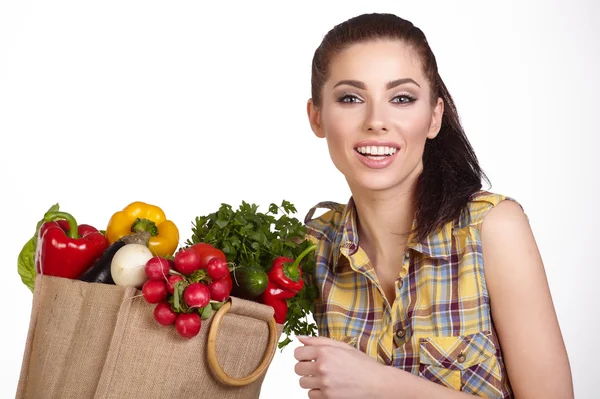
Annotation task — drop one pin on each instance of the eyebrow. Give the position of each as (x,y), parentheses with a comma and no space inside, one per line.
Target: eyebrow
(388,86)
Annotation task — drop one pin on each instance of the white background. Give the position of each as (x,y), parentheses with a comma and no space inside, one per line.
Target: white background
(189,104)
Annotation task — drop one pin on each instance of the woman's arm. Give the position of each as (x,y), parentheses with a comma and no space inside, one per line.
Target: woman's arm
(522,309)
(333,370)
(523,315)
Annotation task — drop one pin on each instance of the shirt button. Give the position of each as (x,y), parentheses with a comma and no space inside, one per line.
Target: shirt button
(400,333)
(461,358)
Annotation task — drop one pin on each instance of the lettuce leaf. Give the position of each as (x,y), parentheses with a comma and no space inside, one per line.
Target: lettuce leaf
(26,260)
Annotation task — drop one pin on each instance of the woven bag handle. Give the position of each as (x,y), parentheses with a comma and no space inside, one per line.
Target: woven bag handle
(211,350)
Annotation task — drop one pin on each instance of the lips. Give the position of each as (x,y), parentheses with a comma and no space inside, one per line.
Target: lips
(376,154)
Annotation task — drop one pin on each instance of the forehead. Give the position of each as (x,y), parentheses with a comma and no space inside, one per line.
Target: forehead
(376,62)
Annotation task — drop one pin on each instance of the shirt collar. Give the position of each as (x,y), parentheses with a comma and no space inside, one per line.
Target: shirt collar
(436,245)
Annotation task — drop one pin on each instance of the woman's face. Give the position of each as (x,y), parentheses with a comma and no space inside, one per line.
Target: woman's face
(376,115)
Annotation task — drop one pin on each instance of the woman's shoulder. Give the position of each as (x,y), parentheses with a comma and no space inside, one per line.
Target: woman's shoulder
(325,225)
(479,205)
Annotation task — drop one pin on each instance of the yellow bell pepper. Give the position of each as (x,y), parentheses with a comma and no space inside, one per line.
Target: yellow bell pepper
(139,216)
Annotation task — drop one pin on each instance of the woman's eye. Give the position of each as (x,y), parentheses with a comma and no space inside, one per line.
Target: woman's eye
(403,99)
(348,99)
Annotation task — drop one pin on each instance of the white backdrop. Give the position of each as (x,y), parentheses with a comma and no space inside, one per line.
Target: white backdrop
(189,104)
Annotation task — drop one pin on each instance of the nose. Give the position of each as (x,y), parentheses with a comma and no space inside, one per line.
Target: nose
(375,120)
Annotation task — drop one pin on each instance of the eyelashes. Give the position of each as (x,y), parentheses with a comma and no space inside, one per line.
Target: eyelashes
(348,98)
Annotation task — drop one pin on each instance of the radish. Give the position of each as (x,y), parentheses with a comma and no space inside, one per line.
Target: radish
(171,281)
(188,324)
(196,295)
(157,268)
(219,290)
(217,268)
(154,291)
(164,315)
(127,267)
(187,261)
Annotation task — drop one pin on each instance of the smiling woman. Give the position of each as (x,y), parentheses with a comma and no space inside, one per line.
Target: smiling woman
(421,270)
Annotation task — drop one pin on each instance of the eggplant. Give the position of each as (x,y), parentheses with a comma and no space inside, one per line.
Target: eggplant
(100,270)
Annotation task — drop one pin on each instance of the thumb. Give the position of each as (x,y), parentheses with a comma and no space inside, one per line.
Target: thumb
(321,341)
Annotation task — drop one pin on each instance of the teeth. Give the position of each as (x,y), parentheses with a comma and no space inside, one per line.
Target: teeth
(373,150)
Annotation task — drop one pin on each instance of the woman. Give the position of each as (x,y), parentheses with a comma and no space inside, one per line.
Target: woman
(421,270)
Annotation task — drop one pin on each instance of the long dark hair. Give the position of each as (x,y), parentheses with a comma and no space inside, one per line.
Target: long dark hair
(451,172)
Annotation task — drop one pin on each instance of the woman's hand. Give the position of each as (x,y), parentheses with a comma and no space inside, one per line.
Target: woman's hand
(333,369)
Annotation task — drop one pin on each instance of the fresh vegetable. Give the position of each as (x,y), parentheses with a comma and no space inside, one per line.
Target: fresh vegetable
(249,282)
(65,249)
(196,295)
(219,289)
(217,268)
(157,268)
(184,293)
(207,253)
(171,281)
(164,315)
(188,324)
(26,259)
(187,261)
(276,297)
(100,271)
(287,274)
(128,265)
(139,216)
(285,281)
(154,291)
(252,240)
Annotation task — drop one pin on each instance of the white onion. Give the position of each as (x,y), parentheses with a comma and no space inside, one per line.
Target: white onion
(128,265)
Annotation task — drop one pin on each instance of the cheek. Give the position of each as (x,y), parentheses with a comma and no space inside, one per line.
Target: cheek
(416,128)
(336,131)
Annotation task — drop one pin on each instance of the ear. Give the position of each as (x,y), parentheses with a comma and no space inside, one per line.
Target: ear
(314,117)
(436,119)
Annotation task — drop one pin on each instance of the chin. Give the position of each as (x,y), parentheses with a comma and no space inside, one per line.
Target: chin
(373,182)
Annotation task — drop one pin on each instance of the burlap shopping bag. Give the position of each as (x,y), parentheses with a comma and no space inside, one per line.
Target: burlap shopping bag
(89,340)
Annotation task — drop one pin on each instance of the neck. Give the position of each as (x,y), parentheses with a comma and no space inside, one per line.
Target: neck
(384,221)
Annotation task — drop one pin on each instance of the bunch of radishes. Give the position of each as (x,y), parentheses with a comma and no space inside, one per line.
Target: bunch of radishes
(187,289)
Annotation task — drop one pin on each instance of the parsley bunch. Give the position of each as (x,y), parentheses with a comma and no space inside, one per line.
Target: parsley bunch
(254,239)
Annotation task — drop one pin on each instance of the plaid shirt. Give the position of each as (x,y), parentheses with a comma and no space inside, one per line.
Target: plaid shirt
(439,326)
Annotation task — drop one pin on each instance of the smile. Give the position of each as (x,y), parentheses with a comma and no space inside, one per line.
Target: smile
(376,155)
(376,151)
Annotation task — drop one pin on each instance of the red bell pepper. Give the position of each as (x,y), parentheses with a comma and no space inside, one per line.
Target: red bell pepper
(287,273)
(285,281)
(65,249)
(276,297)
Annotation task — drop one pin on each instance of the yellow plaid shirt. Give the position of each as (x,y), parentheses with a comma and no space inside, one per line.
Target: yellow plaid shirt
(439,326)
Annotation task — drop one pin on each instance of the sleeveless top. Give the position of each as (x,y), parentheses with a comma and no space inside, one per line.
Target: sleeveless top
(439,326)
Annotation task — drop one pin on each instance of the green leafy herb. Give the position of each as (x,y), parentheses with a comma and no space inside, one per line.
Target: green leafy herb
(251,238)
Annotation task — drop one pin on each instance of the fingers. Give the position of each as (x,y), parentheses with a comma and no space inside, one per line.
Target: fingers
(321,341)
(309,382)
(315,394)
(305,353)
(306,368)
